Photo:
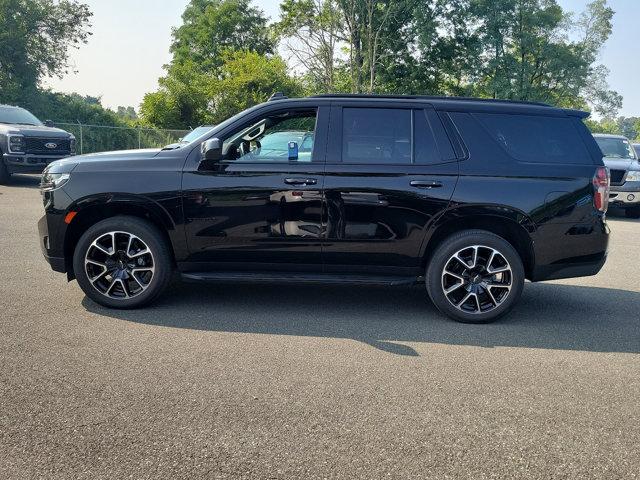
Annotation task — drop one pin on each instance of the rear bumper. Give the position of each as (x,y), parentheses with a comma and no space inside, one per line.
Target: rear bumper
(567,251)
(568,270)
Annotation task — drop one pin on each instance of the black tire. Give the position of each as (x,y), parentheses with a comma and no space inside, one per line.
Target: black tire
(160,259)
(436,278)
(5,176)
(633,212)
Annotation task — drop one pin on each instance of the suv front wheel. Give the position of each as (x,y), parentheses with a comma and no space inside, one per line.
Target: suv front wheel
(475,276)
(122,262)
(4,173)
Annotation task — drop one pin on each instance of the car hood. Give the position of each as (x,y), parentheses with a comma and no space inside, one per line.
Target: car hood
(621,164)
(34,130)
(67,164)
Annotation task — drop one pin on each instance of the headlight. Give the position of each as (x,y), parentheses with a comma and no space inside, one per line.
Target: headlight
(633,176)
(51,181)
(17,143)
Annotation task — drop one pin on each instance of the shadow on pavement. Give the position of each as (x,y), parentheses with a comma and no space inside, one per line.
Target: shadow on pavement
(549,316)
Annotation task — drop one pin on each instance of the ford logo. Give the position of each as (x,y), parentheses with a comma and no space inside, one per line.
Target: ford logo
(51,145)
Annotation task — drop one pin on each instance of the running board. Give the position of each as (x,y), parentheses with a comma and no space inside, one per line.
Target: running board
(296,277)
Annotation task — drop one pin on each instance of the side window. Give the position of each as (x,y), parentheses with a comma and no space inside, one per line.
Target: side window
(279,137)
(533,138)
(425,148)
(376,135)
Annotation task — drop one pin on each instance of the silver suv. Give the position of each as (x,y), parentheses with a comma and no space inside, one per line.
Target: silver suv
(622,160)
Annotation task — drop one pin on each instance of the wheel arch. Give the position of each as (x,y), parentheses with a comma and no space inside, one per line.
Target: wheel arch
(95,209)
(512,225)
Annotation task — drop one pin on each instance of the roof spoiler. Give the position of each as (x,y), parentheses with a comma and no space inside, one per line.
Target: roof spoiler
(577,113)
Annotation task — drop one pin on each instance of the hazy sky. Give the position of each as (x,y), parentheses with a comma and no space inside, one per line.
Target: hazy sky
(131,39)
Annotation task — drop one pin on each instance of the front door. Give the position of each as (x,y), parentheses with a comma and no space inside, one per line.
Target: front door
(261,205)
(390,171)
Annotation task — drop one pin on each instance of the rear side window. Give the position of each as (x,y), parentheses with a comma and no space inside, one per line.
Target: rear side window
(533,138)
(392,136)
(376,135)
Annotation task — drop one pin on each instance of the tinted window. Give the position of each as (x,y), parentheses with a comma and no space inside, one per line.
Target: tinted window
(531,138)
(426,150)
(376,135)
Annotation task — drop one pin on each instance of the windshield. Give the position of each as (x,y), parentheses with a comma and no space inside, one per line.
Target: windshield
(18,116)
(616,148)
(195,133)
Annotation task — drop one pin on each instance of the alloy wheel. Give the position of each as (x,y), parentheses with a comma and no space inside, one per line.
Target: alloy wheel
(119,265)
(477,279)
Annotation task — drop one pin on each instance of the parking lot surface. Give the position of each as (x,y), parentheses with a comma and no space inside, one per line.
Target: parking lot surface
(246,381)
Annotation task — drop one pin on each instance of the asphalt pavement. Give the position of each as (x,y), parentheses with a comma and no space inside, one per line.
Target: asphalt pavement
(245,381)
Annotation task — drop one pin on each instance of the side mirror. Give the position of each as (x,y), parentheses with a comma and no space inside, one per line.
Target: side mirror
(211,150)
(48,123)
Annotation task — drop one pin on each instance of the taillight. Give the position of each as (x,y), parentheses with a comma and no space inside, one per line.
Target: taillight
(601,182)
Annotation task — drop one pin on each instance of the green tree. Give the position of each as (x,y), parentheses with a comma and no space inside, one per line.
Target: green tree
(218,36)
(530,56)
(212,27)
(248,78)
(35,38)
(311,31)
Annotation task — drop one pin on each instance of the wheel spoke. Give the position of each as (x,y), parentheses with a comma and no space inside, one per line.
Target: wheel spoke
(138,254)
(124,287)
(453,288)
(493,299)
(131,237)
(135,279)
(475,257)
(455,275)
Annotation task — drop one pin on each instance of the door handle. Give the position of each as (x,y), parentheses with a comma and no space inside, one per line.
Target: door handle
(300,181)
(425,184)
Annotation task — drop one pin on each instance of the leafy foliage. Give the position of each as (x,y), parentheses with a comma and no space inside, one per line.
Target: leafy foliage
(212,31)
(35,38)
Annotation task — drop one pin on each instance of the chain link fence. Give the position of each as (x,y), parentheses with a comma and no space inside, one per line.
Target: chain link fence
(104,138)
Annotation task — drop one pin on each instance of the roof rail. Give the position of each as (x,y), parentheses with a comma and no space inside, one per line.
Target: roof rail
(427,97)
(277,96)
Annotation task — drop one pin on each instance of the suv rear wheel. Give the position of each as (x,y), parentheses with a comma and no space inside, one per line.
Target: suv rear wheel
(122,262)
(4,173)
(633,212)
(475,276)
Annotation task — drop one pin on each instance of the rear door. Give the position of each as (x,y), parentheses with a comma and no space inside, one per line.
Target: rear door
(390,171)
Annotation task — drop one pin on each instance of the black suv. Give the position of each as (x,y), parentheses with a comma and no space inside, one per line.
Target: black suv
(469,196)
(27,145)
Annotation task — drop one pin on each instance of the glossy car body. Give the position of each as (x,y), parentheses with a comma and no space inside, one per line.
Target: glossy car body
(345,221)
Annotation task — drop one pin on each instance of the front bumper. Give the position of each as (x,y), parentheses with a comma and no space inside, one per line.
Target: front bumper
(625,195)
(29,163)
(624,199)
(57,263)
